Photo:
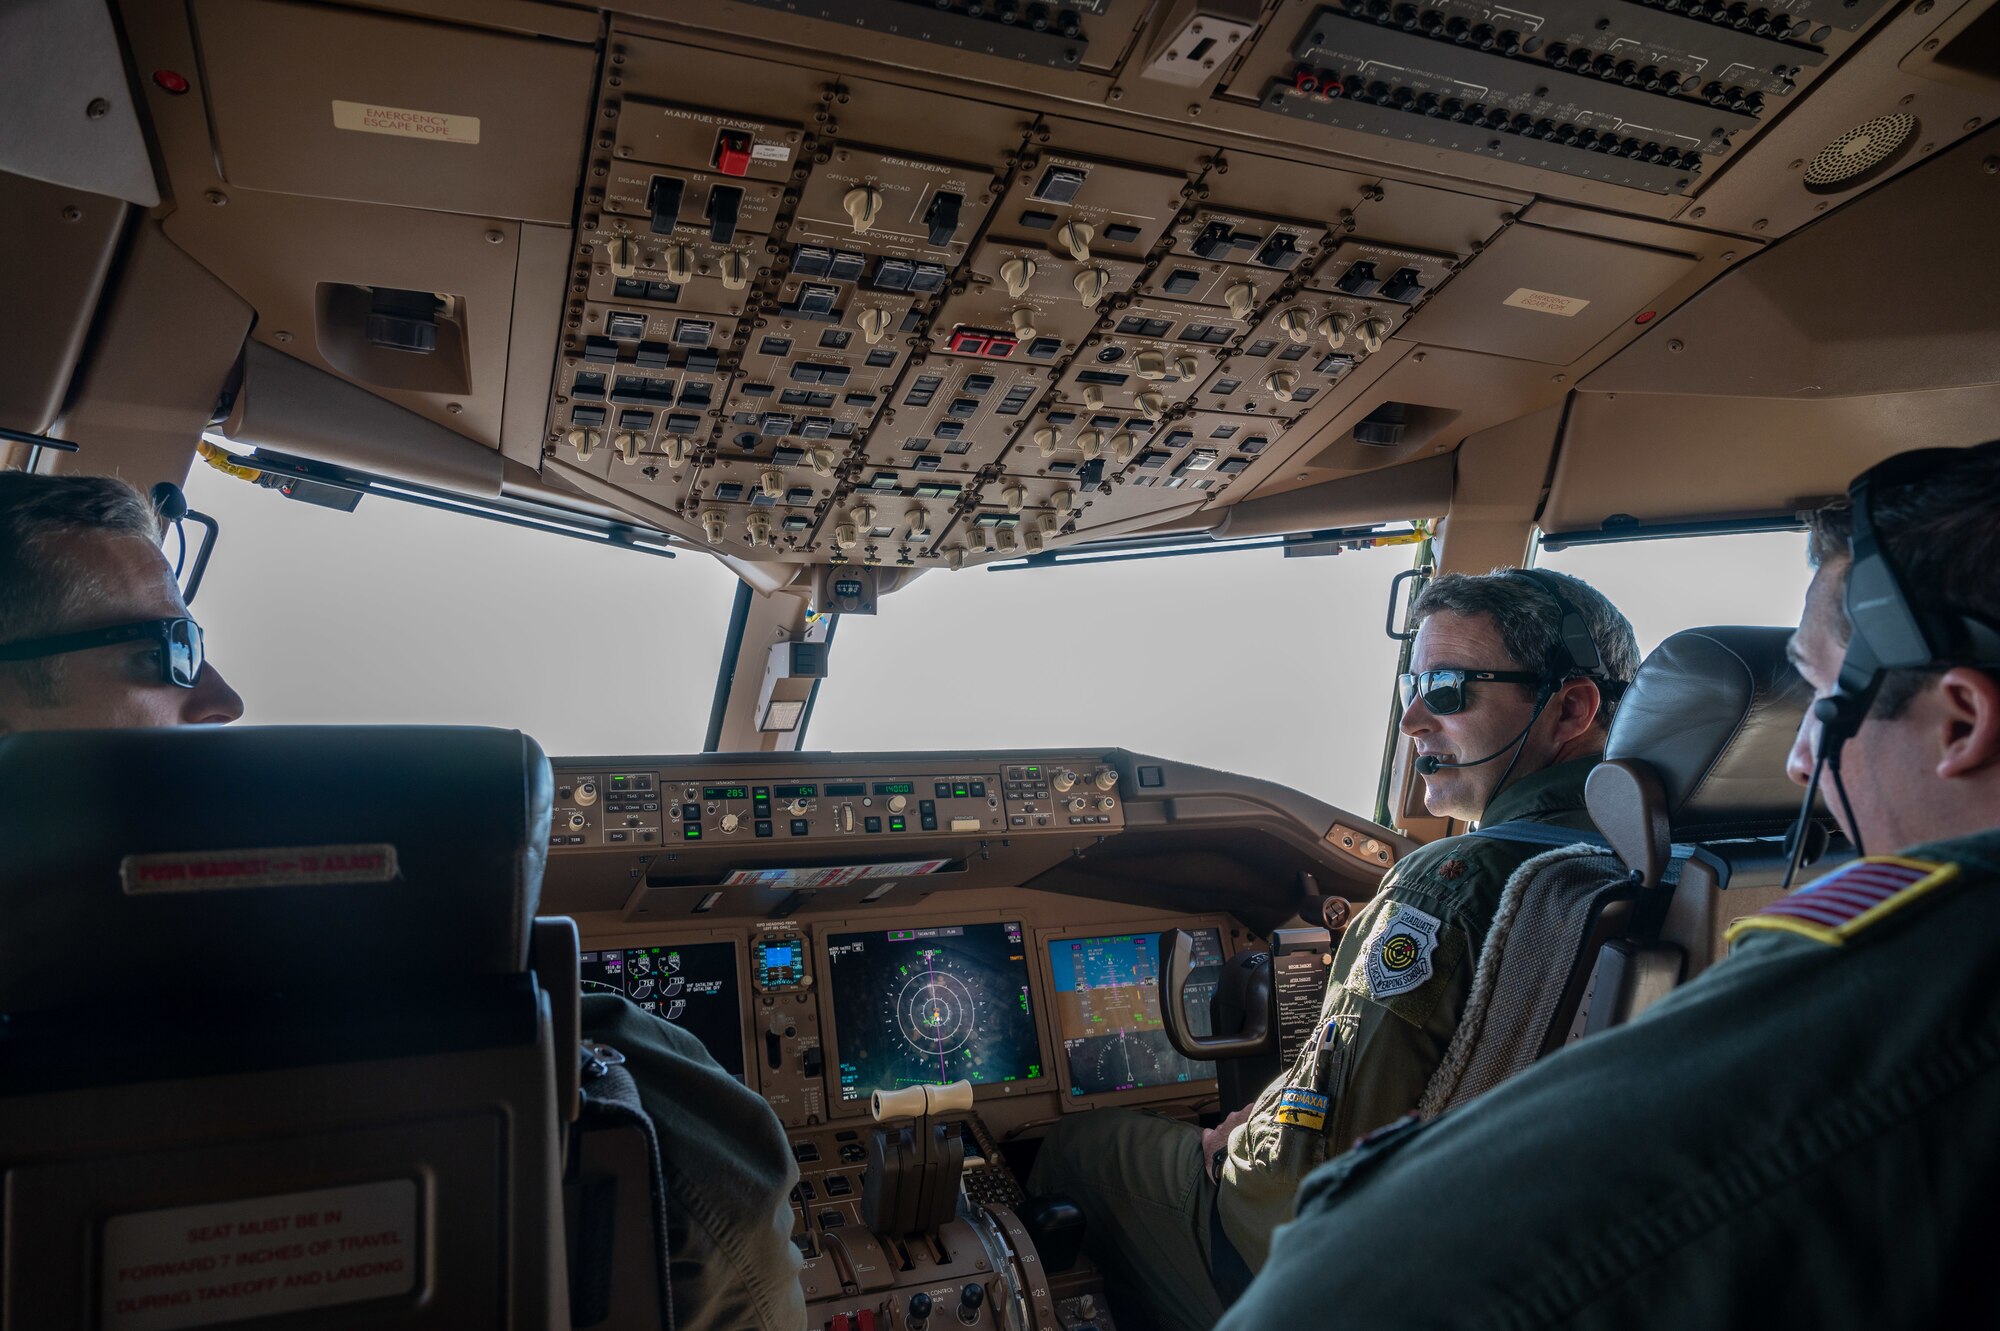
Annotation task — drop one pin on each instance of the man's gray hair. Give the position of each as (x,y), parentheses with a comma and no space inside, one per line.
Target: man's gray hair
(1530,622)
(42,589)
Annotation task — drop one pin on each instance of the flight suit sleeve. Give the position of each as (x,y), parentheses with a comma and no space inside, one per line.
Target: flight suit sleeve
(1400,979)
(729,1176)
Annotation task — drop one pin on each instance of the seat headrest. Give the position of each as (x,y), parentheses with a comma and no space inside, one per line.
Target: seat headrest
(1714,711)
(201,860)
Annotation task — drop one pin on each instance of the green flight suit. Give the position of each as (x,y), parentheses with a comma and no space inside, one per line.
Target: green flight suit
(1803,1136)
(1399,982)
(729,1175)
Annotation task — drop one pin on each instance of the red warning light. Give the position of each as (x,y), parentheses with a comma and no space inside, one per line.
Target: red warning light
(1645,318)
(169,81)
(968,343)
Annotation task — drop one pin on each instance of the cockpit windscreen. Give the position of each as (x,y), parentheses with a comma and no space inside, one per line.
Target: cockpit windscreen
(693,985)
(1108,1010)
(929,1006)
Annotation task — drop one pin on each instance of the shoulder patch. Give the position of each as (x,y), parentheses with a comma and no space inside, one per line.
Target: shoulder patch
(1833,909)
(1399,956)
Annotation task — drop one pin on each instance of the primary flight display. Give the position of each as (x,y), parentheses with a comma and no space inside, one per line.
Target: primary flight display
(930,1006)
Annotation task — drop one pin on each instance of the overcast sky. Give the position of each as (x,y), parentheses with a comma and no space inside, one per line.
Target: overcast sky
(1246,661)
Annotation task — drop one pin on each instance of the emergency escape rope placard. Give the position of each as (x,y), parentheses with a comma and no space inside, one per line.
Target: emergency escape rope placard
(223,1262)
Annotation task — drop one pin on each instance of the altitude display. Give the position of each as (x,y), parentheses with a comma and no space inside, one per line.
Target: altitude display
(1108,1010)
(916,1007)
(694,986)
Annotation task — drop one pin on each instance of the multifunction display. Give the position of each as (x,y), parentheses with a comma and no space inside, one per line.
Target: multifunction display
(1108,1010)
(930,1006)
(693,985)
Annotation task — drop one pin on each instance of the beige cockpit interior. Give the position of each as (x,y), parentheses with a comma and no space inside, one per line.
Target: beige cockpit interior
(850,292)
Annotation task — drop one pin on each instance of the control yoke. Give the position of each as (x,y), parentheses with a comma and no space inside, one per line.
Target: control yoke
(1255,1035)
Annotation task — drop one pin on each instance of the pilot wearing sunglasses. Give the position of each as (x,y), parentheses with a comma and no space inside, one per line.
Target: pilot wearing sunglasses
(1508,701)
(93,631)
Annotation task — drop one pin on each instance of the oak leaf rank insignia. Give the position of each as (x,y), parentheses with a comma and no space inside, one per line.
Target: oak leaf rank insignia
(1399,956)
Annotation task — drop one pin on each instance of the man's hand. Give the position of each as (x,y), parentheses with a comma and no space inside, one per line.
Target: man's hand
(1215,1140)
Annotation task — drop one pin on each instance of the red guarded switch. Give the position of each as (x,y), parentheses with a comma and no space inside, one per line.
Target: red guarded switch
(966,342)
(1000,348)
(864,1320)
(840,1322)
(732,153)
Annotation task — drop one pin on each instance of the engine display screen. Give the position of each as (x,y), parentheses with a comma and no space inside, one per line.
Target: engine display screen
(929,1006)
(1108,1010)
(693,985)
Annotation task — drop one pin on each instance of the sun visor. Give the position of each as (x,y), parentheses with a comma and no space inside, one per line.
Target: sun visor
(1393,494)
(291,407)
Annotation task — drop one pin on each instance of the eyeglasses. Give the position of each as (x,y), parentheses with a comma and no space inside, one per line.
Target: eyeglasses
(179,641)
(1443,691)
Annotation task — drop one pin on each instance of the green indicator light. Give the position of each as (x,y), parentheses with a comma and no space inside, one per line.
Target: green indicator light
(691,832)
(960,791)
(895,824)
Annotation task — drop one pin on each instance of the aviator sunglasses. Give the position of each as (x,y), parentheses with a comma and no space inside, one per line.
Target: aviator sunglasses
(179,641)
(1444,691)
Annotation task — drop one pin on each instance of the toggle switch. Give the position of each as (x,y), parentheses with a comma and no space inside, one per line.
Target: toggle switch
(863,205)
(942,218)
(733,152)
(725,204)
(663,201)
(1017,273)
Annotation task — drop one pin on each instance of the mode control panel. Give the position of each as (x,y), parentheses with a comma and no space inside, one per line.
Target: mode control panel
(861,807)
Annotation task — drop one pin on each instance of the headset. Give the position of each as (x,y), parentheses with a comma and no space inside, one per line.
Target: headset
(1582,660)
(1887,630)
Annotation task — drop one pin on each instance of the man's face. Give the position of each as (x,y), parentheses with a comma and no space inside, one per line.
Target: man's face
(1494,714)
(119,686)
(1879,762)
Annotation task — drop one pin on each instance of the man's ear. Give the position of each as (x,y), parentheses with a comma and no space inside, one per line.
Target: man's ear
(1576,709)
(1968,704)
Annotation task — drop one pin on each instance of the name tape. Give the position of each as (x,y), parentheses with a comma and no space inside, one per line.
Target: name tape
(280,866)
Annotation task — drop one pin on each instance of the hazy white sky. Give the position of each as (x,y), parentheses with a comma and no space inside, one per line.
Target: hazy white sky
(1244,661)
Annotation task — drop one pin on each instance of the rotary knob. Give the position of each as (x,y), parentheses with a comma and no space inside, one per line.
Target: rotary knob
(1186,366)
(1077,804)
(677,451)
(1023,319)
(797,808)
(1003,540)
(1371,333)
(1093,397)
(1063,500)
(586,793)
(1013,497)
(1280,383)
(1152,404)
(757,529)
(626,444)
(1063,780)
(823,460)
(954,558)
(1150,365)
(1241,299)
(730,822)
(678,261)
(1106,803)
(1031,540)
(577,822)
(898,803)
(735,270)
(1124,445)
(1090,443)
(846,536)
(1076,237)
(1046,440)
(1090,284)
(623,254)
(584,441)
(1297,323)
(863,204)
(874,325)
(1105,778)
(1335,328)
(712,523)
(772,484)
(1017,273)
(918,520)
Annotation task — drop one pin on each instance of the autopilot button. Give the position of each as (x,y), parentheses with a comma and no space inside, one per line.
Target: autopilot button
(800,827)
(763,827)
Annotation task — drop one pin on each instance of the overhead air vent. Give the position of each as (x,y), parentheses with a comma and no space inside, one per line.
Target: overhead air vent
(1861,154)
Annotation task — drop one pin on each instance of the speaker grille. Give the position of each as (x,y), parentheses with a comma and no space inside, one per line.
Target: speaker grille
(1861,152)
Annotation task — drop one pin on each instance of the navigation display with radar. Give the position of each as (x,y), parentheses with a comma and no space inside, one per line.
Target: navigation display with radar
(693,985)
(930,1006)
(1108,1010)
